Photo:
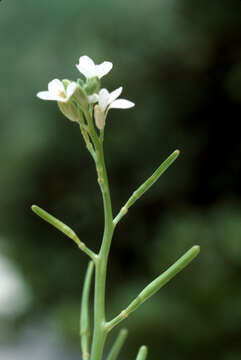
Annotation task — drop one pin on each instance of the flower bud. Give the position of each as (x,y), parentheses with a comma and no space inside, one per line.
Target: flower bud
(66,82)
(79,95)
(99,117)
(92,85)
(81,98)
(80,82)
(69,110)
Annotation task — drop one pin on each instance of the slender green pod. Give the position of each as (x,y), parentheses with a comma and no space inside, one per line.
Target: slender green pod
(155,285)
(84,313)
(146,185)
(65,229)
(116,348)
(142,353)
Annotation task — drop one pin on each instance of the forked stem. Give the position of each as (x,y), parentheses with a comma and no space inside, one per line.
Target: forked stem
(77,101)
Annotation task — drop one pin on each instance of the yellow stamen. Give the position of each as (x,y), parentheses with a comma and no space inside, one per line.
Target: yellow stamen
(62,94)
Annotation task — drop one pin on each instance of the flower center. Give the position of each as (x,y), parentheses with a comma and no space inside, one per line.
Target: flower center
(62,94)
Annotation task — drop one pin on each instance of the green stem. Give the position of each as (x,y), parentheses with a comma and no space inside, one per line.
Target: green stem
(100,332)
(155,285)
(88,144)
(84,132)
(101,327)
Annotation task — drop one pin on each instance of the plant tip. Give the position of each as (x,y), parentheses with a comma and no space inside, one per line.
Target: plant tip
(197,248)
(124,331)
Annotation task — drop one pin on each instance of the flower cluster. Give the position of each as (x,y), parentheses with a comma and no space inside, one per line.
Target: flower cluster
(76,97)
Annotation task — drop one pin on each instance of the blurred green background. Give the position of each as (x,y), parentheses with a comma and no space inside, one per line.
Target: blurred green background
(180,62)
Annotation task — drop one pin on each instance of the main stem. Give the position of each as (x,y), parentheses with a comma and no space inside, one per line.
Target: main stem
(100,332)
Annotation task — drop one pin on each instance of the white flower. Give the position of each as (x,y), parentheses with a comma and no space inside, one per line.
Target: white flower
(89,69)
(56,91)
(107,101)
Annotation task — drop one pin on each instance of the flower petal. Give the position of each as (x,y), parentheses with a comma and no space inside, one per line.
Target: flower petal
(55,86)
(71,89)
(86,66)
(103,99)
(115,94)
(46,95)
(93,98)
(103,69)
(121,104)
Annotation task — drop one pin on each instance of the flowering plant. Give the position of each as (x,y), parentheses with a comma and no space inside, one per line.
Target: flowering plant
(85,103)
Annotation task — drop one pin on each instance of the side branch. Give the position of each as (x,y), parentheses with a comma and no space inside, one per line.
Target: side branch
(146,185)
(64,229)
(155,285)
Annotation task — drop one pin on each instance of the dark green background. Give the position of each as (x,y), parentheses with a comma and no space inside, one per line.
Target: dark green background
(180,62)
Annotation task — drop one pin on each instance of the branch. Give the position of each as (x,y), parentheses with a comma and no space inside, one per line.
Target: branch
(146,185)
(155,285)
(64,229)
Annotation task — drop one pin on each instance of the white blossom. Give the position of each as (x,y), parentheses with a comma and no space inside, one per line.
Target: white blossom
(107,101)
(89,69)
(56,91)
